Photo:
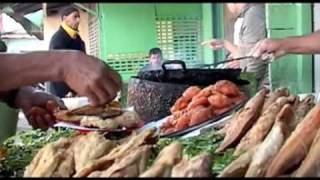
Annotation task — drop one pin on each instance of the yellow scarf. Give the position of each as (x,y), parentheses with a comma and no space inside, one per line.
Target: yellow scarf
(71,32)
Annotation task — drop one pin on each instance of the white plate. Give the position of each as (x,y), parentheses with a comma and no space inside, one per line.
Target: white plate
(75,102)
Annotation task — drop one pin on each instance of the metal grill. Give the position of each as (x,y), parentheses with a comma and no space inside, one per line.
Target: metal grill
(127,62)
(179,38)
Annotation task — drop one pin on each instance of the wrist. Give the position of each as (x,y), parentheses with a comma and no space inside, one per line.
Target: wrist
(65,62)
(284,46)
(23,97)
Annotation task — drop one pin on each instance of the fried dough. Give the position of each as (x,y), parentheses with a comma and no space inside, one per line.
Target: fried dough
(167,158)
(298,144)
(271,145)
(199,166)
(243,121)
(263,125)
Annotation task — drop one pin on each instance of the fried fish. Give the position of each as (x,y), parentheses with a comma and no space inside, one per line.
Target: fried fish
(243,121)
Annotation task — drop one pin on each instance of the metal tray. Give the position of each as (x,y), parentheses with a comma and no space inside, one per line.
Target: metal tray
(216,119)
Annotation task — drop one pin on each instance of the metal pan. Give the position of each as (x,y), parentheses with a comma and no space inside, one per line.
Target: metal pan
(193,76)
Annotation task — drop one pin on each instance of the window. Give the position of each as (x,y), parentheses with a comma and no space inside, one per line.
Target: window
(180,38)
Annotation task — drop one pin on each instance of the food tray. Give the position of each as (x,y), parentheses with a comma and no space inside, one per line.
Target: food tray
(157,124)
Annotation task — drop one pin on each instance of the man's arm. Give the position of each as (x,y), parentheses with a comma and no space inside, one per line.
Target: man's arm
(86,75)
(232,48)
(308,44)
(26,69)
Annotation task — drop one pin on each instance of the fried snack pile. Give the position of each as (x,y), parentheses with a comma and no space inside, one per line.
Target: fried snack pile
(274,135)
(107,117)
(92,155)
(198,105)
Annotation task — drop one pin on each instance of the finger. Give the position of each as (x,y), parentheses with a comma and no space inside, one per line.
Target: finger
(41,123)
(216,46)
(206,42)
(92,97)
(260,50)
(36,111)
(101,93)
(110,88)
(54,106)
(50,120)
(116,79)
(267,57)
(255,50)
(31,120)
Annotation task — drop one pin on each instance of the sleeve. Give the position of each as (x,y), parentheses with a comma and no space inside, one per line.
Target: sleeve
(83,47)
(10,98)
(56,43)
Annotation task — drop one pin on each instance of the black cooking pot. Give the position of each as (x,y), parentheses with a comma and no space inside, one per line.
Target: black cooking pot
(203,77)
(153,93)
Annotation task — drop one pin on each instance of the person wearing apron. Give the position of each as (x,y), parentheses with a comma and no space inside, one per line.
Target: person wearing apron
(249,28)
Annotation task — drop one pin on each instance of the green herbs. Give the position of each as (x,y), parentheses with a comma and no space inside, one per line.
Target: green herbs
(21,148)
(208,142)
(222,161)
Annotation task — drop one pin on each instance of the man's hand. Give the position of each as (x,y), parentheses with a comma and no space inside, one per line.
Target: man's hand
(90,77)
(266,49)
(214,44)
(233,65)
(38,107)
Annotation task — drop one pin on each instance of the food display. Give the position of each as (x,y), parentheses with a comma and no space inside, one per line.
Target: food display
(197,105)
(19,150)
(275,134)
(107,117)
(129,157)
(281,140)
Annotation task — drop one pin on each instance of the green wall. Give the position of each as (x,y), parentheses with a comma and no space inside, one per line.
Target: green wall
(292,71)
(218,26)
(178,9)
(127,28)
(207,31)
(131,27)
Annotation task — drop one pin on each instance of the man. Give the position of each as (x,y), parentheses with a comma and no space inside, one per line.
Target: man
(249,28)
(28,98)
(84,74)
(307,44)
(155,60)
(67,37)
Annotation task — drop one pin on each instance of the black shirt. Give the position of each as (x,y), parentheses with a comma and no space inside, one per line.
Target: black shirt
(61,40)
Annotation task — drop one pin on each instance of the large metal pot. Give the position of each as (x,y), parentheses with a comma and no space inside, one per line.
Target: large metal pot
(153,93)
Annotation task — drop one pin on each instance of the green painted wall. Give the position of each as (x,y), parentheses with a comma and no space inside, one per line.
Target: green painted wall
(207,31)
(127,27)
(131,27)
(178,9)
(218,26)
(292,71)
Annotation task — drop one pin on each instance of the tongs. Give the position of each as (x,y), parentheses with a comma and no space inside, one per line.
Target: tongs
(266,59)
(227,60)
